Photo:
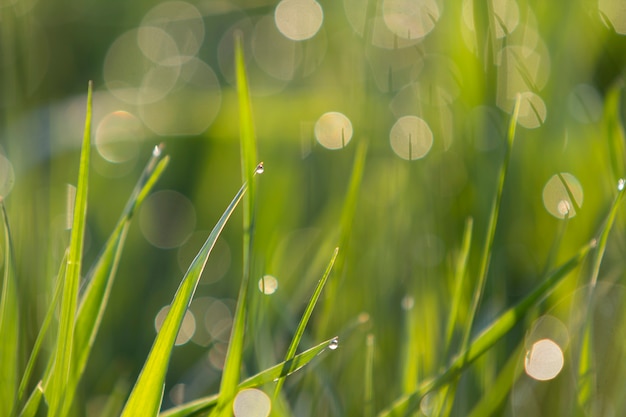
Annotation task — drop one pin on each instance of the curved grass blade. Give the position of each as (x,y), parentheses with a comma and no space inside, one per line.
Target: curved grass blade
(9,326)
(615,131)
(63,359)
(280,370)
(483,342)
(145,398)
(368,388)
(293,346)
(32,405)
(232,364)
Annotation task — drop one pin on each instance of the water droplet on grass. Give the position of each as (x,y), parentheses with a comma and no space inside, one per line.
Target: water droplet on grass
(259,168)
(334,344)
(620,184)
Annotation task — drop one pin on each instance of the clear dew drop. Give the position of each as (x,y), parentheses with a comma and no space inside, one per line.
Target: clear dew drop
(620,184)
(259,168)
(157,150)
(334,344)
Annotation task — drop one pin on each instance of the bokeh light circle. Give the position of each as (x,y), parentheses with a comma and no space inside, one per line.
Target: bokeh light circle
(544,361)
(556,198)
(252,402)
(411,138)
(333,130)
(117,136)
(613,14)
(410,19)
(298,19)
(167,218)
(268,284)
(187,327)
(532,110)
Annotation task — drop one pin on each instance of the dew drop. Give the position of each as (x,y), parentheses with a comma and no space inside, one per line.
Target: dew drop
(334,344)
(620,184)
(158,149)
(259,168)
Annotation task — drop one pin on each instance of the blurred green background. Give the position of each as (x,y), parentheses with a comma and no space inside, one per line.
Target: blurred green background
(427,85)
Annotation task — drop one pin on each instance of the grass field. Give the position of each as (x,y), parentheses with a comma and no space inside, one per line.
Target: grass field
(312,208)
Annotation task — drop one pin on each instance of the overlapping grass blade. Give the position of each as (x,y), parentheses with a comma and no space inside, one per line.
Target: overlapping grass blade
(295,341)
(63,359)
(586,373)
(280,370)
(483,342)
(9,326)
(615,131)
(32,404)
(145,398)
(232,364)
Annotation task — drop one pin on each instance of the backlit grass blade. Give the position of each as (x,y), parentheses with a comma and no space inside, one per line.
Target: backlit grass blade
(100,279)
(63,359)
(9,326)
(586,373)
(234,354)
(145,398)
(483,342)
(368,377)
(615,131)
(295,341)
(32,404)
(281,370)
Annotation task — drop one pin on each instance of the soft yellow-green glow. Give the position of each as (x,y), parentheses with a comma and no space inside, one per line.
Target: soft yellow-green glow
(167,219)
(613,14)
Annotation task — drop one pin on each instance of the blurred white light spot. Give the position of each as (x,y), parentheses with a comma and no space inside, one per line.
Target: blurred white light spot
(333,130)
(613,14)
(182,22)
(556,198)
(187,327)
(410,19)
(268,284)
(218,321)
(7,176)
(411,138)
(298,19)
(217,356)
(117,136)
(158,46)
(252,403)
(532,111)
(407,303)
(167,218)
(544,361)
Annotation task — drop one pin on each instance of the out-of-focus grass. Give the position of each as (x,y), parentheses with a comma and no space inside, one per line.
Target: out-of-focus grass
(405,274)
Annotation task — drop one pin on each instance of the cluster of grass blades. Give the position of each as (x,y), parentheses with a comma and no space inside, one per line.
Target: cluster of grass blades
(81,306)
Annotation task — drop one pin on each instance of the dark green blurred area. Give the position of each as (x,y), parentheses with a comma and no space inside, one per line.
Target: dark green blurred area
(562,56)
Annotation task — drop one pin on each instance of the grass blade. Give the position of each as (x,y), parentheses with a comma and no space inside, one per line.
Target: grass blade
(368,388)
(295,341)
(32,405)
(500,327)
(9,326)
(232,364)
(63,355)
(615,131)
(280,370)
(145,398)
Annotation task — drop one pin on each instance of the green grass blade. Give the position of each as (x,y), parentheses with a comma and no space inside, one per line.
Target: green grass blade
(234,354)
(615,131)
(368,388)
(280,370)
(145,398)
(43,331)
(500,327)
(100,279)
(9,326)
(295,341)
(586,373)
(63,359)
(32,405)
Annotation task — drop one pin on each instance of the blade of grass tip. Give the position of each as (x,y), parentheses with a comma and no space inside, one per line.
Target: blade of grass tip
(9,325)
(345,227)
(368,388)
(145,398)
(586,374)
(410,345)
(491,227)
(295,341)
(55,392)
(280,370)
(232,363)
(32,404)
(43,330)
(100,279)
(492,334)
